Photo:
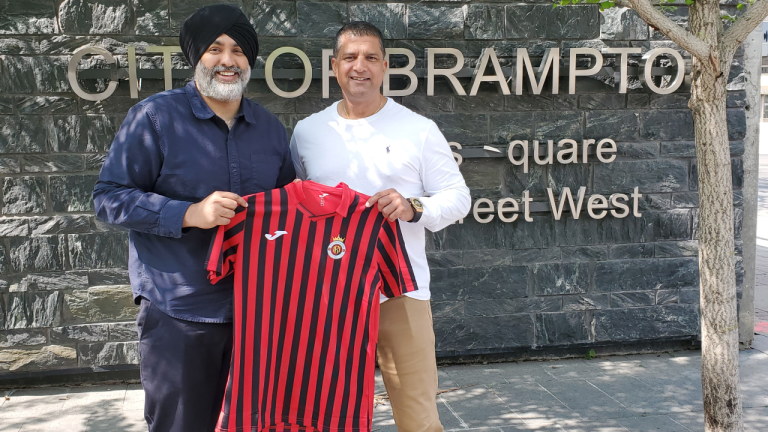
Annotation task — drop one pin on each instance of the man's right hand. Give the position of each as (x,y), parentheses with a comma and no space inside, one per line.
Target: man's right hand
(216,209)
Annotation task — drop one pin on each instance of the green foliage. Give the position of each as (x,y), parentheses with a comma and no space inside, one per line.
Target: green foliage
(664,5)
(590,355)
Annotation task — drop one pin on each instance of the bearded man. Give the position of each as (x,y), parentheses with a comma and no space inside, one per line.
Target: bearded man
(178,167)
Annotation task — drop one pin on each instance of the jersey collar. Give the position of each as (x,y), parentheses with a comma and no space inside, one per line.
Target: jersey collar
(347,195)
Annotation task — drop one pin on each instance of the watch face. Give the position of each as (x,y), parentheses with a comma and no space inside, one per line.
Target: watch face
(417,204)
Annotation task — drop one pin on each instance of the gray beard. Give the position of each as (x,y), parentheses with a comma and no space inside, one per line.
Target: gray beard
(210,86)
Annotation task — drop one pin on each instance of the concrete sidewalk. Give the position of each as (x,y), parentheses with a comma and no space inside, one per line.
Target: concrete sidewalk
(658,392)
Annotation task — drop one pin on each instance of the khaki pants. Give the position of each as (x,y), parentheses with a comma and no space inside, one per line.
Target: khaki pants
(406,354)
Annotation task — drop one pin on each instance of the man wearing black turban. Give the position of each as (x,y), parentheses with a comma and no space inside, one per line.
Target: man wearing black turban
(176,170)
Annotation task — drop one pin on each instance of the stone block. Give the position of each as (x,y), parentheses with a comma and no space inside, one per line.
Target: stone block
(428,104)
(484,176)
(98,250)
(108,277)
(95,17)
(27,17)
(664,297)
(22,338)
(40,105)
(100,303)
(670,101)
(81,134)
(685,200)
(108,354)
(53,163)
(660,175)
(182,9)
(21,135)
(633,299)
(561,328)
(435,22)
(586,231)
(152,18)
(560,278)
(484,21)
(619,125)
(737,124)
(72,193)
(390,18)
(51,74)
(19,45)
(10,165)
(43,359)
(637,100)
(14,227)
(602,102)
(677,249)
(510,126)
(544,22)
(586,302)
(18,74)
(448,309)
(737,173)
(463,334)
(529,102)
(641,150)
(489,257)
(737,148)
(690,296)
(736,99)
(447,259)
(60,224)
(631,251)
(482,101)
(93,162)
(540,233)
(673,225)
(572,176)
(54,281)
(558,124)
(646,323)
(273,18)
(515,181)
(36,254)
(123,331)
(678,149)
(497,307)
(466,129)
(79,333)
(622,24)
(320,19)
(666,125)
(585,253)
(33,310)
(481,283)
(6,105)
(638,275)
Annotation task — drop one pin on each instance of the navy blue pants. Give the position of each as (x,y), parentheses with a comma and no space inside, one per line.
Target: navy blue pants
(184,367)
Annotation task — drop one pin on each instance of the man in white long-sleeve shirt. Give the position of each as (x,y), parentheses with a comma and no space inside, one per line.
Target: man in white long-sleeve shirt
(401,159)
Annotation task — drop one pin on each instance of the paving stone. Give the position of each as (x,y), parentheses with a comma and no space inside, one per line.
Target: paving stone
(635,395)
(586,400)
(531,401)
(651,424)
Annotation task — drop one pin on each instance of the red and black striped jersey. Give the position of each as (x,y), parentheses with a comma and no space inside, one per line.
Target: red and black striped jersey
(309,262)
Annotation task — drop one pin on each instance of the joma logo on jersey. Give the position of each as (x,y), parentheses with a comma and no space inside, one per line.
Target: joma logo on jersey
(337,249)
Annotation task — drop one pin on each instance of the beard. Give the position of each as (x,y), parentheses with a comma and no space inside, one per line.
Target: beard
(210,86)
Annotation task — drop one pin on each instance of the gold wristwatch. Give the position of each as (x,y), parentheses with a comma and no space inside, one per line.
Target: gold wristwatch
(417,207)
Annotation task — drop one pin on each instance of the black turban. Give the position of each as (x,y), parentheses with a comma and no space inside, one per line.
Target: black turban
(202,28)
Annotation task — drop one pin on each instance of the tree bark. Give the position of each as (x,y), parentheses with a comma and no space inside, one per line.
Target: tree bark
(719,319)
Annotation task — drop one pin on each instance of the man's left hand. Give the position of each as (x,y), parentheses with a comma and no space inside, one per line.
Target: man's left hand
(392,205)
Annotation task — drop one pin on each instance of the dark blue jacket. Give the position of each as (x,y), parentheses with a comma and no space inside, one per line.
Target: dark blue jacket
(172,151)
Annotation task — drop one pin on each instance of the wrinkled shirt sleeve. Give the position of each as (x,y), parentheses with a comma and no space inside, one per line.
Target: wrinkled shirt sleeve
(123,194)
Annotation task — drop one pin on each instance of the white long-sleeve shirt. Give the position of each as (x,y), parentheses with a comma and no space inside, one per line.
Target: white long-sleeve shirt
(394,148)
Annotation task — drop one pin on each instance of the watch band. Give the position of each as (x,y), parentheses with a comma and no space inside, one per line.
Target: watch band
(417,207)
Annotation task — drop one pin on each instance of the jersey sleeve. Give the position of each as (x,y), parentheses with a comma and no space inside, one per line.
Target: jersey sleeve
(222,253)
(395,268)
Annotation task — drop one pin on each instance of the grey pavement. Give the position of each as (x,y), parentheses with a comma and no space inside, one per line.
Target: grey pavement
(638,393)
(654,392)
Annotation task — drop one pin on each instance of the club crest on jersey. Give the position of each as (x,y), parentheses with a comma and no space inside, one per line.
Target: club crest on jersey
(337,249)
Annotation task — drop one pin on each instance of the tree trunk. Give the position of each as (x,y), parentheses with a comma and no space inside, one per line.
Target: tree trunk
(719,319)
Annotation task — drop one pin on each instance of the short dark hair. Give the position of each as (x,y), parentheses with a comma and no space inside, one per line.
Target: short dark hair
(358,28)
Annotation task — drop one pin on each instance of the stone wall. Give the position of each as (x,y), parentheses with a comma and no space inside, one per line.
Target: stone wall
(65,302)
